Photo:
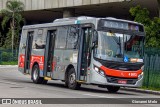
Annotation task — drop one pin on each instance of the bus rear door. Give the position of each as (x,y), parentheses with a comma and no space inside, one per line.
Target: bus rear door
(28,50)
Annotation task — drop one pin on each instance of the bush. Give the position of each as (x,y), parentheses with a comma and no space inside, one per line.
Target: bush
(9,63)
(6,56)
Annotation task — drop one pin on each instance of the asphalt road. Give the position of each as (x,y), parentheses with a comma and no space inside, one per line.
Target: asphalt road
(13,84)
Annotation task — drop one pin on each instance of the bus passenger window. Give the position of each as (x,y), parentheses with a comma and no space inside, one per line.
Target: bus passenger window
(72,38)
(61,37)
(39,41)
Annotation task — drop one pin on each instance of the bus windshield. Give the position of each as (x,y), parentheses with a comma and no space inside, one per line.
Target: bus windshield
(119,47)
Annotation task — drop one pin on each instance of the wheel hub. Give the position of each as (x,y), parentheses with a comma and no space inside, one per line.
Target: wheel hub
(72,78)
(35,74)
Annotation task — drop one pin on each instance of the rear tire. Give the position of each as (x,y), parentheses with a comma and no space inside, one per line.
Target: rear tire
(71,80)
(35,75)
(113,89)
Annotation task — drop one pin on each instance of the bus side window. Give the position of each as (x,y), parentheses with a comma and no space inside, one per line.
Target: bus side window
(72,38)
(39,40)
(61,37)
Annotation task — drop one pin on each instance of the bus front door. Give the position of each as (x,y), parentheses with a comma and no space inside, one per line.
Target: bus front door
(49,53)
(28,52)
(84,54)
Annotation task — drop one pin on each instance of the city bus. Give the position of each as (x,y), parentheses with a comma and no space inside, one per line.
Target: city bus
(106,52)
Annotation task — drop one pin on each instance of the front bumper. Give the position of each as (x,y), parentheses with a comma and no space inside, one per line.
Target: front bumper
(103,80)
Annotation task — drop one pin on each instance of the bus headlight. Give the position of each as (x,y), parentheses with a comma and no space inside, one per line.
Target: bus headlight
(96,68)
(101,72)
(142,68)
(140,76)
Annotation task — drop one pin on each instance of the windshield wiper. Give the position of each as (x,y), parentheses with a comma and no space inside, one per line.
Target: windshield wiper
(118,54)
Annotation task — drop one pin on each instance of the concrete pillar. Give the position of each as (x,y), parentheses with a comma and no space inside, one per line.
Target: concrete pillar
(158,8)
(68,12)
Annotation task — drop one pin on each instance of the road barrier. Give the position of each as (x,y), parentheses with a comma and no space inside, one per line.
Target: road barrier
(152,68)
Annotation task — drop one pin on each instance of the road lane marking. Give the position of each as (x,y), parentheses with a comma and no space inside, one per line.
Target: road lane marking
(11,83)
(93,95)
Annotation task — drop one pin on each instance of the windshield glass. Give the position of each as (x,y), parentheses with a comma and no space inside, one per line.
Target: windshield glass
(119,47)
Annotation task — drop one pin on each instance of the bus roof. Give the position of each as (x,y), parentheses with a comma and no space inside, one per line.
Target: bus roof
(72,20)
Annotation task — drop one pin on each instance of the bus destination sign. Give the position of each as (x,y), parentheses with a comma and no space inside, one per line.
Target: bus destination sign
(120,25)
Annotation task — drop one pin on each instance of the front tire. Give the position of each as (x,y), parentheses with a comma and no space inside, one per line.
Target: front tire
(71,80)
(113,89)
(35,75)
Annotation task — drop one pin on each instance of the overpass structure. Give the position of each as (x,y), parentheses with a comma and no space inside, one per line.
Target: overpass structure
(39,11)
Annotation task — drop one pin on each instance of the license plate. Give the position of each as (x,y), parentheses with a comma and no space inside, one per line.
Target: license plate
(122,81)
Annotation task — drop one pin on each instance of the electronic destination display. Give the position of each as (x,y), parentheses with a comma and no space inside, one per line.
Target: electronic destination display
(120,25)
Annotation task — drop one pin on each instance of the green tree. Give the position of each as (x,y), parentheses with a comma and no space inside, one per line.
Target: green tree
(0,39)
(152,26)
(12,15)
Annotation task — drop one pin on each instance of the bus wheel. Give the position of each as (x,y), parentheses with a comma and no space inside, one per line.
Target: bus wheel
(113,89)
(72,84)
(35,75)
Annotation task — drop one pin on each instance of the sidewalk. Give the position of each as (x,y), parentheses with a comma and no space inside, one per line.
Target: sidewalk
(141,90)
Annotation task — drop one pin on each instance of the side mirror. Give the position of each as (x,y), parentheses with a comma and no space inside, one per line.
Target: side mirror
(95,38)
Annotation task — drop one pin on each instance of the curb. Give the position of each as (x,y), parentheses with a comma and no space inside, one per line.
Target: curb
(141,90)
(8,65)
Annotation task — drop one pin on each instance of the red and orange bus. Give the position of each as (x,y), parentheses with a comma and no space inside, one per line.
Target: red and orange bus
(106,52)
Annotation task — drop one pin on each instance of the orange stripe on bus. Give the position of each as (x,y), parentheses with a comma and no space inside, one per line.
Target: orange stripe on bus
(120,73)
(33,59)
(21,61)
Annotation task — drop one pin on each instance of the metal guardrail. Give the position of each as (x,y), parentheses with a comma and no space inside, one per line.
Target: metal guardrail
(152,71)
